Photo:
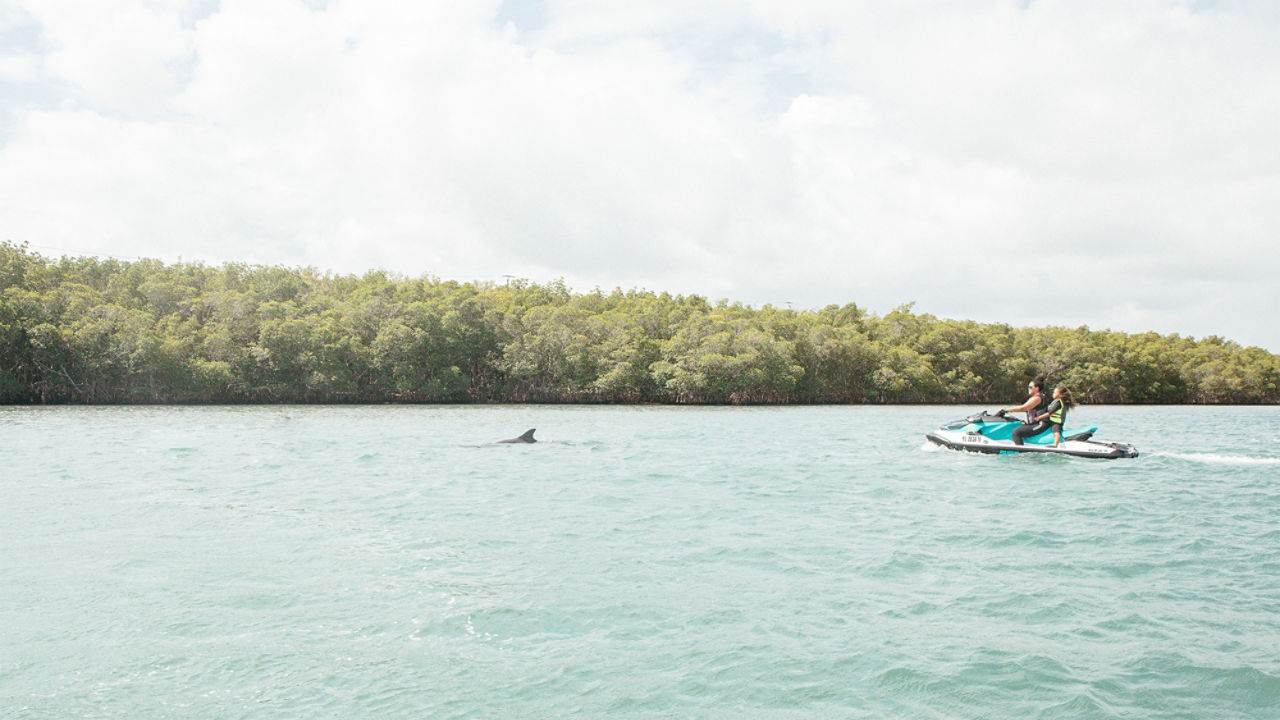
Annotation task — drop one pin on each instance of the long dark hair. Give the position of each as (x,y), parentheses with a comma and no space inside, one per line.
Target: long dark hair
(1068,402)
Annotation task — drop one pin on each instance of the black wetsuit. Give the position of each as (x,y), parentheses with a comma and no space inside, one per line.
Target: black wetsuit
(1031,428)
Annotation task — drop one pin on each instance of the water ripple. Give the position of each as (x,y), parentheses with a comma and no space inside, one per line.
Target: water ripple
(651,562)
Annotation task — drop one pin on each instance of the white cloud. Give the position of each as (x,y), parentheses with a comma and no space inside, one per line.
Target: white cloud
(1069,163)
(18,69)
(123,55)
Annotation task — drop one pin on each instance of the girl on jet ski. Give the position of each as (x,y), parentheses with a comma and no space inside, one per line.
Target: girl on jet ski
(1056,413)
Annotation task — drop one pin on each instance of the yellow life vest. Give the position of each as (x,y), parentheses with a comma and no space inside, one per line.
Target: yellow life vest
(1057,416)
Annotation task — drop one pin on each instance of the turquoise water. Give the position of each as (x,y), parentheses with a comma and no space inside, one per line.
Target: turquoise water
(351,562)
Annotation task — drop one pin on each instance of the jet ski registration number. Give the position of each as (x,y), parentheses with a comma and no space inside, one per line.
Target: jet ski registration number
(974,437)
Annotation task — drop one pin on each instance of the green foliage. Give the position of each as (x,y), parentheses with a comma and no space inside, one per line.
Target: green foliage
(103,331)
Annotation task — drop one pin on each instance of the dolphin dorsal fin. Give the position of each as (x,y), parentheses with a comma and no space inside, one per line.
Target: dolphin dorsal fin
(528,435)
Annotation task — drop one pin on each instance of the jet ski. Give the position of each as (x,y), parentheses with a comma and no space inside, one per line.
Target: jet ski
(987,433)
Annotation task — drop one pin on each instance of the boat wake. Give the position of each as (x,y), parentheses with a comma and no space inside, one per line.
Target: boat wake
(1213,459)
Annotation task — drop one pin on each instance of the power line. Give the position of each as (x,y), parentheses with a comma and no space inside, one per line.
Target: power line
(83,252)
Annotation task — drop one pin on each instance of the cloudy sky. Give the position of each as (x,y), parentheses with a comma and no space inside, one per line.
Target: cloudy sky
(1042,162)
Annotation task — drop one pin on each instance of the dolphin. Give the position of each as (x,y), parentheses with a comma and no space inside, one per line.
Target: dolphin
(527,437)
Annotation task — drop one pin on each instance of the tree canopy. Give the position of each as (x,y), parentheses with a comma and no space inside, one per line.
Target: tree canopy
(86,330)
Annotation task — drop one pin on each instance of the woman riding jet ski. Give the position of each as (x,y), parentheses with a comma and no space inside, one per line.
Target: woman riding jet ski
(1035,403)
(987,433)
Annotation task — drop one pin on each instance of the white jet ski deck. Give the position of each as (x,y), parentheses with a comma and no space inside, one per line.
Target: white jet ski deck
(986,433)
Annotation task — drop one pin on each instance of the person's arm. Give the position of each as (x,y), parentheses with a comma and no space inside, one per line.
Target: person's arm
(1049,410)
(1030,403)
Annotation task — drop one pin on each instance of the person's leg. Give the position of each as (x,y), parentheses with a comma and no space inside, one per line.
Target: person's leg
(1025,431)
(1020,433)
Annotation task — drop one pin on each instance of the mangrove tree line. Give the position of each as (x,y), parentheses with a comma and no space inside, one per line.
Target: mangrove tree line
(86,330)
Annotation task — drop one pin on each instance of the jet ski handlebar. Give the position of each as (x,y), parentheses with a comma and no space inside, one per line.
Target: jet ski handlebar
(985,416)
